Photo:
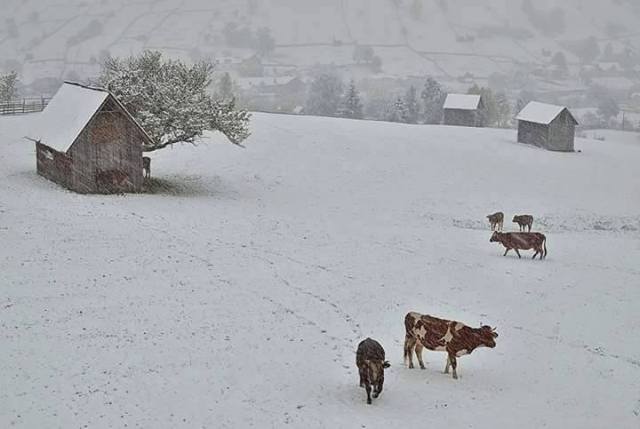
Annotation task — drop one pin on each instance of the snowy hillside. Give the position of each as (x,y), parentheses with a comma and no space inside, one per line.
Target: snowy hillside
(237,295)
(65,38)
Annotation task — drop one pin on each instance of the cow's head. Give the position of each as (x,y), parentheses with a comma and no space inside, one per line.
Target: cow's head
(488,335)
(375,371)
(495,237)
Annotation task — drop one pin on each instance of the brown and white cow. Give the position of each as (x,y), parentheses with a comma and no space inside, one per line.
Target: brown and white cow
(523,221)
(454,338)
(371,366)
(496,220)
(522,241)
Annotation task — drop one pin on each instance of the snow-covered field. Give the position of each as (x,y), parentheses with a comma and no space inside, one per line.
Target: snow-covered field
(237,295)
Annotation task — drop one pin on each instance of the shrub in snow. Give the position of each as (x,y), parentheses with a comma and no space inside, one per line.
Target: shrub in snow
(170,99)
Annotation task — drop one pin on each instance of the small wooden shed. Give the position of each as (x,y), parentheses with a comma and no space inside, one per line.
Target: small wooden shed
(88,142)
(466,110)
(548,126)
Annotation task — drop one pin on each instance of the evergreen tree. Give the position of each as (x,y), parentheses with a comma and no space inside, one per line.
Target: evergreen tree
(398,112)
(411,105)
(351,105)
(433,96)
(325,95)
(490,104)
(8,86)
(170,100)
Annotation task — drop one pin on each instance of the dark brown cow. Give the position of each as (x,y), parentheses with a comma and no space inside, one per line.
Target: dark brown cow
(455,338)
(522,241)
(371,365)
(496,220)
(523,221)
(146,167)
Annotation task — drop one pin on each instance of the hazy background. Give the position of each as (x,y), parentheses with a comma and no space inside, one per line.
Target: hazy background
(573,52)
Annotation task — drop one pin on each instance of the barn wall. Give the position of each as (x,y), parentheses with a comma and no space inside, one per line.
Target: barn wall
(108,154)
(532,133)
(562,134)
(53,165)
(462,118)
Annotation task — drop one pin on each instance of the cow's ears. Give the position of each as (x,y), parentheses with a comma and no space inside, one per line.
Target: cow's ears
(386,364)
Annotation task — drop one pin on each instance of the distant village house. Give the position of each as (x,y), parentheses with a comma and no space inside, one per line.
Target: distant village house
(466,110)
(547,126)
(87,141)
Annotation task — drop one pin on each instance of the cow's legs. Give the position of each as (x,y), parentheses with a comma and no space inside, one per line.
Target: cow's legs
(535,254)
(517,251)
(362,376)
(409,344)
(367,386)
(451,360)
(506,251)
(419,348)
(529,227)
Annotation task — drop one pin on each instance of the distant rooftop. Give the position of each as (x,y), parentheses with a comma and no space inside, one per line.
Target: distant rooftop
(462,101)
(541,113)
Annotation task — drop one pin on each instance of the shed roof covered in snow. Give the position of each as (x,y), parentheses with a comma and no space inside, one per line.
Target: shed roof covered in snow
(541,113)
(462,101)
(68,114)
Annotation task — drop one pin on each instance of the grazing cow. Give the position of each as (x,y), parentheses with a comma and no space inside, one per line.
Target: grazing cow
(146,167)
(371,365)
(496,220)
(522,241)
(455,338)
(523,221)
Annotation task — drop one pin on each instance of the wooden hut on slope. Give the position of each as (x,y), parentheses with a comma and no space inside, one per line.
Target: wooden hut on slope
(88,142)
(466,110)
(548,126)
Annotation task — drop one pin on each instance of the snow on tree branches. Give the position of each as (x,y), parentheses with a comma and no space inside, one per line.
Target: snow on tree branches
(170,99)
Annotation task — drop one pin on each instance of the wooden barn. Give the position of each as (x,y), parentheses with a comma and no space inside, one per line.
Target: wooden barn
(547,126)
(466,110)
(87,141)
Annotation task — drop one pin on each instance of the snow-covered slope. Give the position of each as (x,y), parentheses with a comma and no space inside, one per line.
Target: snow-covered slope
(236,297)
(65,38)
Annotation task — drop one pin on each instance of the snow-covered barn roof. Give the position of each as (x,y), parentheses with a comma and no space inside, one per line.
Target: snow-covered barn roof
(541,113)
(69,112)
(462,101)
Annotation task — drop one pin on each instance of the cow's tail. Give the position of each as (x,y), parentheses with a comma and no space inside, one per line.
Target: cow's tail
(409,346)
(544,243)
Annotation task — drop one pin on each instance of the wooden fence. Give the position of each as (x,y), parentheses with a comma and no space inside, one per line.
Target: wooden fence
(26,105)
